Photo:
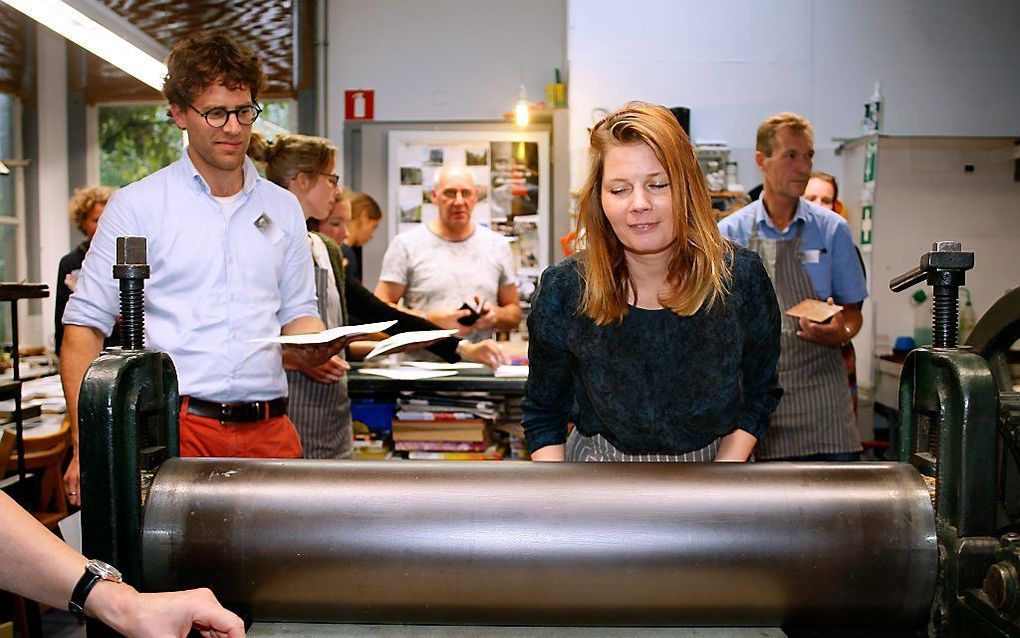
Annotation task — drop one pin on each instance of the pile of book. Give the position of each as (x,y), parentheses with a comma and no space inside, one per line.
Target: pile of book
(446,429)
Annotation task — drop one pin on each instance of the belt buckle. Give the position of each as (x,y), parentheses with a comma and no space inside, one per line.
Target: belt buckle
(261,410)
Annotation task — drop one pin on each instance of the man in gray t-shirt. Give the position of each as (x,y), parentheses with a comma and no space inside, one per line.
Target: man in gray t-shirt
(450,261)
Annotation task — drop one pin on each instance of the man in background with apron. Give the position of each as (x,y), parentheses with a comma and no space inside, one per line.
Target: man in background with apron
(808,252)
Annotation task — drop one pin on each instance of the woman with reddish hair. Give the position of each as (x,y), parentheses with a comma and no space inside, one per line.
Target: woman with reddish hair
(659,339)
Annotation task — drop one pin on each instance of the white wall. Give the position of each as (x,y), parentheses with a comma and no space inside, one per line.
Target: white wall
(947,67)
(924,194)
(442,59)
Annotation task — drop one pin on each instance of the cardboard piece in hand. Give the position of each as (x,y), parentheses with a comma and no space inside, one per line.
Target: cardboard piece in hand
(814,310)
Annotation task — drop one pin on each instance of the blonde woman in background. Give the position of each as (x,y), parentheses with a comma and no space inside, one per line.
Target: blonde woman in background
(86,207)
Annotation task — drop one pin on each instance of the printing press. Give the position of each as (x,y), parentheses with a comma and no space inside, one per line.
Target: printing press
(928,545)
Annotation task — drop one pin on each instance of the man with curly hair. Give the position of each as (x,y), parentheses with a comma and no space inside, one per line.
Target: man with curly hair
(230,264)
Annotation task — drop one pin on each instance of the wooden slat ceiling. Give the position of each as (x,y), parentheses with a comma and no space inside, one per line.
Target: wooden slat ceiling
(12,50)
(267,26)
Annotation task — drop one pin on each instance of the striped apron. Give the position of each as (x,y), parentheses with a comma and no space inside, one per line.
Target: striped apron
(321,412)
(581,448)
(815,415)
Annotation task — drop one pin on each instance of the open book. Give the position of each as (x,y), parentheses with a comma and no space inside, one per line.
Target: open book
(405,339)
(346,333)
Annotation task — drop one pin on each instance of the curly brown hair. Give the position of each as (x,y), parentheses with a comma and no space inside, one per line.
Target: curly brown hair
(201,60)
(84,200)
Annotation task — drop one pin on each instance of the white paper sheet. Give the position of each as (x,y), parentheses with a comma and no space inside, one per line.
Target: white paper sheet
(407,374)
(408,338)
(328,335)
(70,529)
(442,365)
(511,371)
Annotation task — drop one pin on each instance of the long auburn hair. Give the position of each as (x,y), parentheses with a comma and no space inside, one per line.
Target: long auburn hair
(699,266)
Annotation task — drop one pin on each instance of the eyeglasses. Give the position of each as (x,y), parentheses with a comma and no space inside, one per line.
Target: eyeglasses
(217,117)
(334,179)
(451,193)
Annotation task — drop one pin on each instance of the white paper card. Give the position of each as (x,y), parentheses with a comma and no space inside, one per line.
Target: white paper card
(328,335)
(408,338)
(407,374)
(442,365)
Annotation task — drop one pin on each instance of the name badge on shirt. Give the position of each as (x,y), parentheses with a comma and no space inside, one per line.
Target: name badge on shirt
(265,224)
(811,256)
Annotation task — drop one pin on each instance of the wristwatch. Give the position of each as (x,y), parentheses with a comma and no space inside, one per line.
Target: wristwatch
(95,571)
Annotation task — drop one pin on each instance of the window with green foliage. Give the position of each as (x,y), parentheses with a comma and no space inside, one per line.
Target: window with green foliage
(134,141)
(139,139)
(10,218)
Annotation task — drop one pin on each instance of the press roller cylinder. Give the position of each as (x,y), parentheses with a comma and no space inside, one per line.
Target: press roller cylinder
(547,543)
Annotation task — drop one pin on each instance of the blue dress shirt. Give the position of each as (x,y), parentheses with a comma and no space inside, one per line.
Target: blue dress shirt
(218,281)
(827,251)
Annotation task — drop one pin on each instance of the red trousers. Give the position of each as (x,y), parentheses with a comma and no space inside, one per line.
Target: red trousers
(274,438)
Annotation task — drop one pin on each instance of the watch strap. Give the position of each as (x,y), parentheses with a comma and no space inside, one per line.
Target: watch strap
(81,591)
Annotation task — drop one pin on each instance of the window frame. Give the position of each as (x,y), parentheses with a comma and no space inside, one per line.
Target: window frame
(18,164)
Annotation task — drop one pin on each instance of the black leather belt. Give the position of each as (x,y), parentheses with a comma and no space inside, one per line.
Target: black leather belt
(240,412)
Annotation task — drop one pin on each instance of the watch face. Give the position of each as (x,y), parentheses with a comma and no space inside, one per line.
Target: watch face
(103,570)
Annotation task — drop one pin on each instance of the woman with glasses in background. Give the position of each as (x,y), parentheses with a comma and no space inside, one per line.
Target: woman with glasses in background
(319,404)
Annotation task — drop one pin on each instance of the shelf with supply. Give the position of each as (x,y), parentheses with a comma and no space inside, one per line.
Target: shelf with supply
(721,178)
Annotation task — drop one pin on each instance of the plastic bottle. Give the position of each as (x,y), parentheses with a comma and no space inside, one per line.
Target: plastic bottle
(873,111)
(922,317)
(967,316)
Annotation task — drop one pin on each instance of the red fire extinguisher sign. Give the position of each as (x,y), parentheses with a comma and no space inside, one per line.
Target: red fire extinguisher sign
(359,104)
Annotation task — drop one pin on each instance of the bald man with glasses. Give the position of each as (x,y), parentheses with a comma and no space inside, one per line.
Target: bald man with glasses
(230,265)
(451,261)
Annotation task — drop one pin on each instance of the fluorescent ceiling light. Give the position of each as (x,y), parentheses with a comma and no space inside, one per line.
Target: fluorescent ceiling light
(90,35)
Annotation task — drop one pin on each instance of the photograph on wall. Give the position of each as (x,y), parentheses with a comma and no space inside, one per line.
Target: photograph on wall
(410,175)
(409,202)
(515,175)
(477,156)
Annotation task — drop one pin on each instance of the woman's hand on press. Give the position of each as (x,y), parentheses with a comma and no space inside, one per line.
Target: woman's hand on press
(164,614)
(485,352)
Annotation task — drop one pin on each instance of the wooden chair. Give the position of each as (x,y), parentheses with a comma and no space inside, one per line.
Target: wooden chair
(7,441)
(44,455)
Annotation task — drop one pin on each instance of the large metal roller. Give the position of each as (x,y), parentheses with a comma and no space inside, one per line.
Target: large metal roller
(678,544)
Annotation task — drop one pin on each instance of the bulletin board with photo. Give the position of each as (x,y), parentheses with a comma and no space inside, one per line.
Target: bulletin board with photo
(511,170)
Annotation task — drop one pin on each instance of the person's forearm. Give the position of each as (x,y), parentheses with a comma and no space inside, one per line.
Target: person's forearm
(36,563)
(303,325)
(550,453)
(508,317)
(736,446)
(853,319)
(81,345)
